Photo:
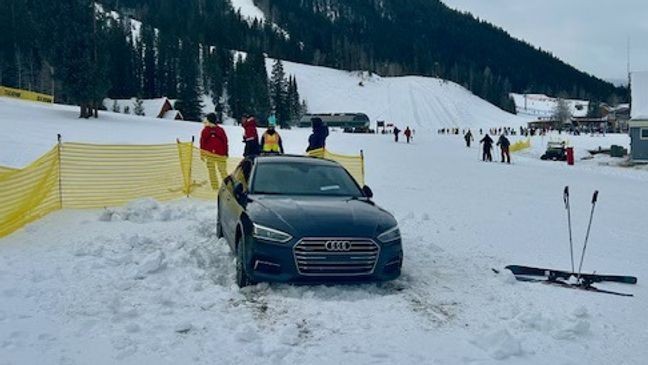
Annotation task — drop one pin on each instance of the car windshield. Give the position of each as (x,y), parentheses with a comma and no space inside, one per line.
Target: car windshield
(303,179)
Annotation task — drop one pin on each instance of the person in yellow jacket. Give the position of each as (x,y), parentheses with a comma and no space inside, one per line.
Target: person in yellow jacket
(271,141)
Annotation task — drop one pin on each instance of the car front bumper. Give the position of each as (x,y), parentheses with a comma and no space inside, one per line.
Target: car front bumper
(270,262)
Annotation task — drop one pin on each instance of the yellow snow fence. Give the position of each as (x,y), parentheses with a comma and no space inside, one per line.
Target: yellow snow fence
(354,164)
(25,95)
(82,176)
(521,145)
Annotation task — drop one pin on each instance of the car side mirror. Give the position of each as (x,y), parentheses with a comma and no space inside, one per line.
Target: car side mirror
(367,192)
(239,193)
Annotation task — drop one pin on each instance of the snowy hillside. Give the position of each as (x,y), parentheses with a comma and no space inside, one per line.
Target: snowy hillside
(150,283)
(423,103)
(248,9)
(251,12)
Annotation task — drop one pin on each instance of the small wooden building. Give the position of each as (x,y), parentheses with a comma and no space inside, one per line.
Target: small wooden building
(639,123)
(155,108)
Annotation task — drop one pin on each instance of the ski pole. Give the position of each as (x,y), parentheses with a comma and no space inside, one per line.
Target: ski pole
(589,226)
(571,244)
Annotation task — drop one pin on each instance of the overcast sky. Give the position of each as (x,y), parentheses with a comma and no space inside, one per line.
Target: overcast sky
(591,35)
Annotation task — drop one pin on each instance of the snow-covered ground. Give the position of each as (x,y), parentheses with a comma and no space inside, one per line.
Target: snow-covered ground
(423,103)
(150,283)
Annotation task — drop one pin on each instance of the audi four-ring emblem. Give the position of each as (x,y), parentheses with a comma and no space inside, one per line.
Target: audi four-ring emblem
(338,246)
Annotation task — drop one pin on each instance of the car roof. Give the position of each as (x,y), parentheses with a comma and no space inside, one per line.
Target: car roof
(278,159)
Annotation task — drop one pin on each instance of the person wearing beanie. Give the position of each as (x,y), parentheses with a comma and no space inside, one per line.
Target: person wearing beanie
(272,120)
(214,149)
(317,139)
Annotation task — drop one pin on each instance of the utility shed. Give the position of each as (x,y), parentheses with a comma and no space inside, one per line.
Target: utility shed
(638,125)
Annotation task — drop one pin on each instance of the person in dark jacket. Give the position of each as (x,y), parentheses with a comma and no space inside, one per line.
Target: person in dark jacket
(214,149)
(505,145)
(396,133)
(488,146)
(250,136)
(408,134)
(317,139)
(469,138)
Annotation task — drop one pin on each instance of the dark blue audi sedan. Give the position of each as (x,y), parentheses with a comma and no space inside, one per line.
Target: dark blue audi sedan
(305,220)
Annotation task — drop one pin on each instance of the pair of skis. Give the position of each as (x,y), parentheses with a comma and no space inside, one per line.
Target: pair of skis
(566,279)
(574,279)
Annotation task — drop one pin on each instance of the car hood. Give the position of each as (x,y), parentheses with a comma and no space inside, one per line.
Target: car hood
(320,216)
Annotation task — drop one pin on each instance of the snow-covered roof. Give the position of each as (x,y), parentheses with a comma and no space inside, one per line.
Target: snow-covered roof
(639,95)
(152,107)
(541,105)
(172,115)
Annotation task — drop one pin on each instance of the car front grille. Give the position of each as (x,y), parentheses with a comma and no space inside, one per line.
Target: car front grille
(336,256)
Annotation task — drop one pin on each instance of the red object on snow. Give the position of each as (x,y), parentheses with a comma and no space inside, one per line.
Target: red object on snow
(214,140)
(250,130)
(570,156)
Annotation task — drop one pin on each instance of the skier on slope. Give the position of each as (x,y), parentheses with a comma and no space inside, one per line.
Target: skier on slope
(505,144)
(408,134)
(488,146)
(317,139)
(469,138)
(250,136)
(214,149)
(396,133)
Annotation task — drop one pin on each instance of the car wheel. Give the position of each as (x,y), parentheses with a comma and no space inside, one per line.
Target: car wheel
(242,278)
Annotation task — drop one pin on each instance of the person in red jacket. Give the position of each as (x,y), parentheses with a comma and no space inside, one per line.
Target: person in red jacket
(250,136)
(214,149)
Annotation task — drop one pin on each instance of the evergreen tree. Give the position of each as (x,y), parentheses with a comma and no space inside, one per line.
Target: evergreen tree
(279,93)
(214,77)
(115,107)
(80,63)
(258,77)
(138,108)
(562,113)
(189,90)
(294,105)
(248,87)
(122,66)
(149,86)
(167,72)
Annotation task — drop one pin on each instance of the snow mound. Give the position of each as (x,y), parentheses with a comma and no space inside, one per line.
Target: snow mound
(500,344)
(145,211)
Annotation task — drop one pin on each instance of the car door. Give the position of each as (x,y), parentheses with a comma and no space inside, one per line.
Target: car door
(233,208)
(225,203)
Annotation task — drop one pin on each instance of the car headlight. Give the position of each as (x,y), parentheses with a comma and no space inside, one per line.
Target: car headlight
(390,235)
(269,234)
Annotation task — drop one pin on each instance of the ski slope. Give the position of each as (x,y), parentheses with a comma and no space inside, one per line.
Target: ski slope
(423,103)
(150,283)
